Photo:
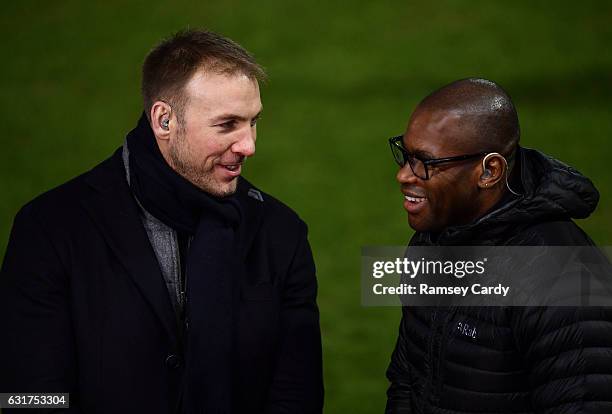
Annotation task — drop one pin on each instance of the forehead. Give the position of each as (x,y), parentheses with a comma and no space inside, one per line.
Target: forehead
(440,133)
(212,94)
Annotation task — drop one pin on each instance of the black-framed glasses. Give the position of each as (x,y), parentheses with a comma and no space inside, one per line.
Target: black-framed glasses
(420,167)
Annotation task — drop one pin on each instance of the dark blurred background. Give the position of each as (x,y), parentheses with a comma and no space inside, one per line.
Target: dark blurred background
(344,76)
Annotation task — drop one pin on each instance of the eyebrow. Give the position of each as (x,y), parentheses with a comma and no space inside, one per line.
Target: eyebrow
(227,117)
(423,154)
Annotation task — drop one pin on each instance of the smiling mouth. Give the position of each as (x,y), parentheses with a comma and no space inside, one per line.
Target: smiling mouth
(232,167)
(230,171)
(414,204)
(415,200)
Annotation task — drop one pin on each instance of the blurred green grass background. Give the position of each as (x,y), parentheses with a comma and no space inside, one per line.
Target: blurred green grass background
(344,76)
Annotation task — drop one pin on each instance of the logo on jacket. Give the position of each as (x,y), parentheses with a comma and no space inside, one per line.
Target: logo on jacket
(253,193)
(466,329)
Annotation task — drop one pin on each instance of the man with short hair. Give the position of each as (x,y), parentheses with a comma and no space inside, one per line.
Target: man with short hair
(465,181)
(161,281)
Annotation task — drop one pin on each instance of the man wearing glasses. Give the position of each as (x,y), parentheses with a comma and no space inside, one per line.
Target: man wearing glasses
(466,181)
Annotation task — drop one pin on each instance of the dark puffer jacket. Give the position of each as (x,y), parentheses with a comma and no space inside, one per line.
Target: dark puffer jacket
(510,359)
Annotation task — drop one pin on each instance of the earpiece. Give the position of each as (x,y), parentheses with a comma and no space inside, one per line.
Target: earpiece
(164,124)
(486,173)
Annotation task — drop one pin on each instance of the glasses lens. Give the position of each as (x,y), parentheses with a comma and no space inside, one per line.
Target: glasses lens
(418,168)
(398,155)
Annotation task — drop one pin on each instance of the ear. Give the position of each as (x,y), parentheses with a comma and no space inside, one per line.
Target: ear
(161,120)
(493,170)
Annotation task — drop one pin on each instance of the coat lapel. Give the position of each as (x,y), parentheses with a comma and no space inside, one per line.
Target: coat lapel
(116,214)
(117,217)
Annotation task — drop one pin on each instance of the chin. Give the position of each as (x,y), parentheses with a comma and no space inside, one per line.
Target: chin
(415,226)
(419,225)
(220,190)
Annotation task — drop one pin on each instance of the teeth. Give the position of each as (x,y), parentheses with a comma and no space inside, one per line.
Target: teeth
(415,199)
(231,167)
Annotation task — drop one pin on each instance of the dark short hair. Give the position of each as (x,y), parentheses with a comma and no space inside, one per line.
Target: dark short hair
(172,63)
(485,106)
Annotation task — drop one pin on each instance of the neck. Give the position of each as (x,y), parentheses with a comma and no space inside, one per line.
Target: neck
(491,201)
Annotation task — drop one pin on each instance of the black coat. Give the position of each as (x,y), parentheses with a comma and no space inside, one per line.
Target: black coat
(522,359)
(84,308)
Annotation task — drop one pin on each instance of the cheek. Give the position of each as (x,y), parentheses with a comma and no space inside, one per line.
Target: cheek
(441,197)
(205,146)
(217,144)
(451,193)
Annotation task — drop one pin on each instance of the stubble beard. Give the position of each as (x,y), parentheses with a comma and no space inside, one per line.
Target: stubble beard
(196,173)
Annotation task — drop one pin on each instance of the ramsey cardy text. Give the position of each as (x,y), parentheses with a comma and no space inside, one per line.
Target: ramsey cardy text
(425,289)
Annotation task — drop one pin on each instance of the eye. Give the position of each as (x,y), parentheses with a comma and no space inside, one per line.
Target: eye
(254,121)
(227,126)
(420,156)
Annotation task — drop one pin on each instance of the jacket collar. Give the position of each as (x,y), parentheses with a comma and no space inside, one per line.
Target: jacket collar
(551,190)
(116,214)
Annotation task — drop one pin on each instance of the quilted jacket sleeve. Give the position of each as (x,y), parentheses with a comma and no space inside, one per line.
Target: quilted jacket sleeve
(568,352)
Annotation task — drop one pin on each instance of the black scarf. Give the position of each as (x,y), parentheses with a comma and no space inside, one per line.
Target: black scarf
(166,194)
(211,269)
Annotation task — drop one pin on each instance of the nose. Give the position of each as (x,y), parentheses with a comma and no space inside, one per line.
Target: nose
(405,175)
(245,146)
